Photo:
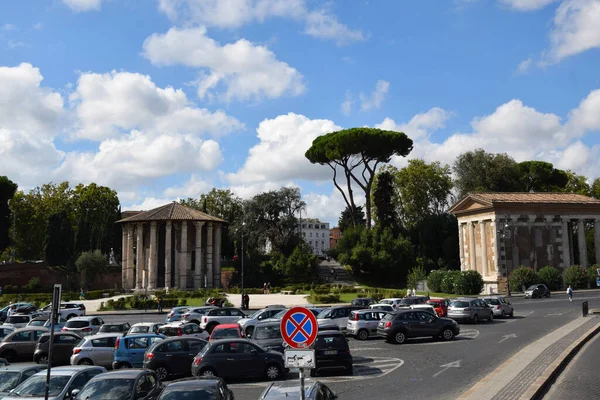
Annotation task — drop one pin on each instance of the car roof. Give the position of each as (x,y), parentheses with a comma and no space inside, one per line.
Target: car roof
(142,335)
(19,367)
(69,370)
(85,318)
(33,328)
(67,333)
(267,323)
(221,341)
(366,310)
(288,389)
(121,374)
(330,332)
(143,324)
(227,326)
(104,335)
(392,298)
(193,383)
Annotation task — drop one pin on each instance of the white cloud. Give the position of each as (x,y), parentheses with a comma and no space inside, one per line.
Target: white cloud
(586,117)
(246,70)
(421,125)
(8,27)
(108,104)
(526,5)
(346,106)
(83,5)
(375,99)
(279,156)
(328,207)
(524,66)
(236,13)
(148,203)
(193,187)
(38,26)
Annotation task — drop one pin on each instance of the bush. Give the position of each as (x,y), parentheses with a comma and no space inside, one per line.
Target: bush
(593,274)
(321,289)
(434,280)
(316,298)
(522,276)
(33,284)
(576,276)
(416,275)
(551,277)
(468,282)
(449,280)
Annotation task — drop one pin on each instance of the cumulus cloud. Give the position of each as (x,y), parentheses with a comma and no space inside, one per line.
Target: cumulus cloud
(375,99)
(116,102)
(319,23)
(193,187)
(421,125)
(346,106)
(526,5)
(246,71)
(83,5)
(524,66)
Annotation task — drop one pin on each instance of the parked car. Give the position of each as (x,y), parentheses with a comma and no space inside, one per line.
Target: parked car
(130,349)
(19,320)
(440,306)
(63,382)
(20,345)
(336,316)
(332,353)
(537,291)
(45,322)
(248,323)
(133,384)
(175,314)
(229,358)
(363,323)
(183,329)
(424,307)
(4,311)
(409,301)
(95,350)
(6,330)
(394,302)
(363,302)
(226,331)
(500,306)
(195,314)
(219,316)
(115,328)
(196,388)
(279,316)
(143,327)
(172,356)
(27,310)
(268,336)
(12,376)
(382,307)
(62,348)
(83,326)
(313,390)
(470,309)
(397,327)
(68,310)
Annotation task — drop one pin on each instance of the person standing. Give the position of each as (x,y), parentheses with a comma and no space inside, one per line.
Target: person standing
(159,304)
(570,293)
(269,288)
(81,294)
(265,288)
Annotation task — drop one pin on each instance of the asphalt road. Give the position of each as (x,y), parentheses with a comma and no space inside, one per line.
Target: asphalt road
(580,379)
(426,369)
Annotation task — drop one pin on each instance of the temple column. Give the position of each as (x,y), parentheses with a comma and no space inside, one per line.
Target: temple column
(485,268)
(183,265)
(168,253)
(461,244)
(566,244)
(139,268)
(198,255)
(209,254)
(597,240)
(130,257)
(472,252)
(217,252)
(583,259)
(124,252)
(153,262)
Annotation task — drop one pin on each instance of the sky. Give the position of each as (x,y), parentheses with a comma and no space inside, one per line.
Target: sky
(166,99)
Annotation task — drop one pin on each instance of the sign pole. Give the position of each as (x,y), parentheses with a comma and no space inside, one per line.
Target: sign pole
(301,383)
(54,313)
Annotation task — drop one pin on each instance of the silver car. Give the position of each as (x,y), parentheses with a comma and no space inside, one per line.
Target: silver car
(363,323)
(63,380)
(248,323)
(83,326)
(470,309)
(500,306)
(195,314)
(95,350)
(143,327)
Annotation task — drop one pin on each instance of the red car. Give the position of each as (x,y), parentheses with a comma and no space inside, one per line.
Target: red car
(440,306)
(226,331)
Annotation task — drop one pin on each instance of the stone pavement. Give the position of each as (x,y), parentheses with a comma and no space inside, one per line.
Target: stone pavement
(92,306)
(512,379)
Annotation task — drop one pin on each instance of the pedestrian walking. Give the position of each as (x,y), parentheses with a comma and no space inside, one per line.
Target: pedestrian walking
(11,310)
(265,288)
(246,301)
(159,304)
(81,294)
(570,293)
(414,292)
(269,288)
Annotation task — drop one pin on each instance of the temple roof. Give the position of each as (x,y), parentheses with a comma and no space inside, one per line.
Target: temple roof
(170,212)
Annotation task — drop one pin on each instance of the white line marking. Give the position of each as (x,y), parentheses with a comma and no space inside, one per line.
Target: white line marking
(367,348)
(453,364)
(506,337)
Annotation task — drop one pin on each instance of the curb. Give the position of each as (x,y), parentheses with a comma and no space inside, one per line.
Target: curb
(540,387)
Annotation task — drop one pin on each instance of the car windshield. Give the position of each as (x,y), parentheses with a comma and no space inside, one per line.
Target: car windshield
(107,389)
(76,324)
(8,380)
(17,319)
(139,329)
(386,302)
(279,315)
(183,393)
(331,341)
(532,287)
(111,328)
(37,323)
(229,333)
(459,304)
(324,314)
(267,332)
(36,386)
(492,301)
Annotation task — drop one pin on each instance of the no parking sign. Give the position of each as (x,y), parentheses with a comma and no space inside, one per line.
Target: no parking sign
(299,328)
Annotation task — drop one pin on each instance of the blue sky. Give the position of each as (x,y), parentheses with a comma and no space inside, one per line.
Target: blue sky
(163,99)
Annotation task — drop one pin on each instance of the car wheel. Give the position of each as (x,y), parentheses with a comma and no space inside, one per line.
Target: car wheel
(162,372)
(512,313)
(548,295)
(42,359)
(9,355)
(491,317)
(208,373)
(447,334)
(475,319)
(273,372)
(350,369)
(71,316)
(399,337)
(533,295)
(363,334)
(249,331)
(85,361)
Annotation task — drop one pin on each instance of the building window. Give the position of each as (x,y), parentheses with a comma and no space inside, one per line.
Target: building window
(304,226)
(322,226)
(323,234)
(310,242)
(311,234)
(322,242)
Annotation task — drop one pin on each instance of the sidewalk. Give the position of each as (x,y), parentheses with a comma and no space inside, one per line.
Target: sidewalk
(524,374)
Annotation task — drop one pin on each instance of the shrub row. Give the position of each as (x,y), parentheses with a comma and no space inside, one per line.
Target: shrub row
(329,298)
(455,282)
(576,276)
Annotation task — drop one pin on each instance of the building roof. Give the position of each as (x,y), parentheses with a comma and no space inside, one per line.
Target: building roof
(171,212)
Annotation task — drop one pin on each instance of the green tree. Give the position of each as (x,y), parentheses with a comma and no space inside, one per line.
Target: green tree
(577,184)
(595,189)
(302,263)
(436,240)
(416,275)
(383,200)
(59,240)
(358,152)
(551,277)
(522,276)
(349,218)
(540,176)
(89,264)
(434,280)
(468,283)
(576,276)
(7,190)
(478,171)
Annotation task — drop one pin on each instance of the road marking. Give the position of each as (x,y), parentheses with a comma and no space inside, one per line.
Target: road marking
(519,315)
(506,337)
(554,315)
(367,348)
(453,364)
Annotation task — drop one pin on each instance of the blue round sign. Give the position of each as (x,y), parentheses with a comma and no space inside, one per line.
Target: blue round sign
(299,328)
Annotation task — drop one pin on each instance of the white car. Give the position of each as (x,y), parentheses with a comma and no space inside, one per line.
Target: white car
(195,314)
(83,326)
(143,327)
(180,328)
(217,316)
(394,302)
(19,320)
(383,307)
(424,307)
(337,316)
(68,310)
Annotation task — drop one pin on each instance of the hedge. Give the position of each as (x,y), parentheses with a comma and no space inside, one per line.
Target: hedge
(551,277)
(522,276)
(576,276)
(324,298)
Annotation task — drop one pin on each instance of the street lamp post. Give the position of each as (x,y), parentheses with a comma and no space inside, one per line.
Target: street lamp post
(242,291)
